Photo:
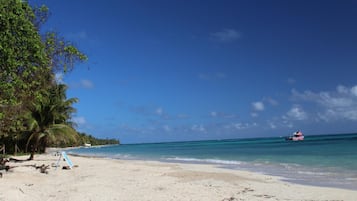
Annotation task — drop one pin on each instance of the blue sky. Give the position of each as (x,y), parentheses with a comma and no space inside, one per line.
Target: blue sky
(179,70)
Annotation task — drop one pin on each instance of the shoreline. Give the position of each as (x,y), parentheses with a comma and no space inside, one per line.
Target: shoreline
(112,179)
(306,176)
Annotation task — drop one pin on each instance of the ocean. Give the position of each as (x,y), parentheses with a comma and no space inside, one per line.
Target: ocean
(321,160)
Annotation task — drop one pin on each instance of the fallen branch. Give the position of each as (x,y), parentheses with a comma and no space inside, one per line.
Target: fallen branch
(3,161)
(4,167)
(17,160)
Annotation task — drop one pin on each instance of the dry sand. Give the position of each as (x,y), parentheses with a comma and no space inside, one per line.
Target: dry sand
(105,179)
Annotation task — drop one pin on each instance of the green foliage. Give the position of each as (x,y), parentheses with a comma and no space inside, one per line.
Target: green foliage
(48,119)
(42,13)
(89,139)
(63,54)
(34,109)
(24,65)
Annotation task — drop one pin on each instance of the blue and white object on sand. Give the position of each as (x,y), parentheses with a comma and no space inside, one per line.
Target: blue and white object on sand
(66,158)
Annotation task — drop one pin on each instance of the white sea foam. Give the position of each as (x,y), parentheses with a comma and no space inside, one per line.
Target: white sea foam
(314,173)
(214,161)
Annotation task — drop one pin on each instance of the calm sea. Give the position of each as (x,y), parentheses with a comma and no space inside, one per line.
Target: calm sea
(324,160)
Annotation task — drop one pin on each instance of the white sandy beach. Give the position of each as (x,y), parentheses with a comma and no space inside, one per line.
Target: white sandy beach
(105,179)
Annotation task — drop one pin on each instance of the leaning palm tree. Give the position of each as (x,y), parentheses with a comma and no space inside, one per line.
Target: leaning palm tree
(49,120)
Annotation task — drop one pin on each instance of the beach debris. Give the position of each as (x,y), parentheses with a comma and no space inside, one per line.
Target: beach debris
(43,168)
(17,160)
(3,165)
(3,161)
(247,190)
(21,191)
(264,196)
(229,199)
(66,168)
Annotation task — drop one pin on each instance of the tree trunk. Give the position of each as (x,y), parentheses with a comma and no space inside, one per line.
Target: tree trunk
(31,156)
(33,150)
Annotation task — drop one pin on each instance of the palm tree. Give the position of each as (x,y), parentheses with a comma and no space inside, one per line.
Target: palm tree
(49,120)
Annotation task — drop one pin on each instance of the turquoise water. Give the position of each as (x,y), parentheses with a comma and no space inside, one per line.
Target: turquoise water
(325,160)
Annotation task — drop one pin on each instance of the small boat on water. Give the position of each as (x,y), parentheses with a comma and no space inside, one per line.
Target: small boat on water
(87,145)
(297,136)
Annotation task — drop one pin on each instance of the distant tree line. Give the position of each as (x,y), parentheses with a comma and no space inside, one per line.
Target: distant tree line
(89,139)
(34,110)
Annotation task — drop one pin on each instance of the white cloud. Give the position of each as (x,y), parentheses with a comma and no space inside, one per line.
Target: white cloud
(332,105)
(354,90)
(342,89)
(258,106)
(222,115)
(198,128)
(272,125)
(87,84)
(84,83)
(79,120)
(213,114)
(59,78)
(226,35)
(296,113)
(240,125)
(159,111)
(254,114)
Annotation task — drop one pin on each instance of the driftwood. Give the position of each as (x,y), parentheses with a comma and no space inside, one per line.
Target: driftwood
(17,160)
(3,161)
(43,168)
(3,165)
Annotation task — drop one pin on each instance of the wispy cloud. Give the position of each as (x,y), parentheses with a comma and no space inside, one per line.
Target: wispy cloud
(84,83)
(226,35)
(272,125)
(215,114)
(296,113)
(240,125)
(198,128)
(87,84)
(340,104)
(157,112)
(80,121)
(258,106)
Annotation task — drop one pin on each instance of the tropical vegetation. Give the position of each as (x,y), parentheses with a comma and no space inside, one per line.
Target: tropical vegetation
(34,110)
